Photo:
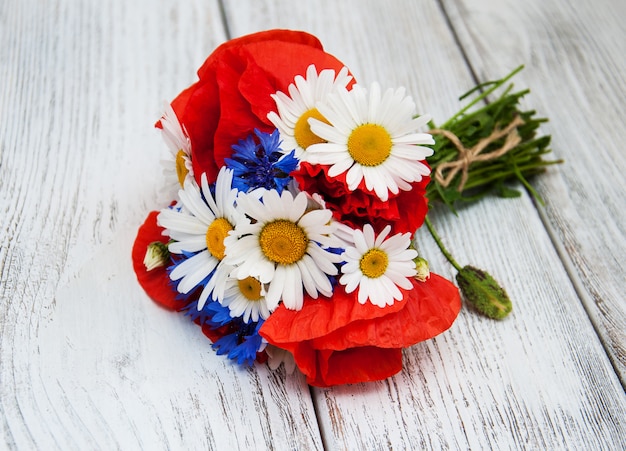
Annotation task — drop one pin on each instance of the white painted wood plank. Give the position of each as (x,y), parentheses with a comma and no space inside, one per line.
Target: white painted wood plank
(577,72)
(96,364)
(144,377)
(540,379)
(535,380)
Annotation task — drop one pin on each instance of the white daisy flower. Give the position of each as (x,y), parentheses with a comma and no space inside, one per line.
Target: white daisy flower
(295,109)
(199,227)
(283,245)
(178,166)
(378,266)
(372,137)
(246,298)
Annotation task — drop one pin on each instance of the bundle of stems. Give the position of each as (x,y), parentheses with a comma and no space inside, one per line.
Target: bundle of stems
(476,121)
(477,130)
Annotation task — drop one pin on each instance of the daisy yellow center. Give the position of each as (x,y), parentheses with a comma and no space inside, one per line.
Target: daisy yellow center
(215,234)
(302,131)
(181,168)
(369,144)
(374,263)
(250,288)
(283,242)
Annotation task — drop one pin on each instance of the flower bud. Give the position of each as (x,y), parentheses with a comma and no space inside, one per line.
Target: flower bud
(157,255)
(483,292)
(277,356)
(423,271)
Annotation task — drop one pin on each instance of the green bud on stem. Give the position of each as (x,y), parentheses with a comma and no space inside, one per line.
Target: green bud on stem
(422,268)
(483,292)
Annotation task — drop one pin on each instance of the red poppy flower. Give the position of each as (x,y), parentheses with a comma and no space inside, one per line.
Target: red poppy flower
(232,96)
(339,341)
(405,211)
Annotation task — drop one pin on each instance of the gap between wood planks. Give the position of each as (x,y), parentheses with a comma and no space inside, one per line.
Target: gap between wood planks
(314,397)
(224,20)
(316,409)
(582,293)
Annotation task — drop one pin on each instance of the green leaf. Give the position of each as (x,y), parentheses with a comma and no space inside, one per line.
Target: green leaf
(506,192)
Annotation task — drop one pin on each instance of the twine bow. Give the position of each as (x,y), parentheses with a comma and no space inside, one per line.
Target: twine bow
(468,156)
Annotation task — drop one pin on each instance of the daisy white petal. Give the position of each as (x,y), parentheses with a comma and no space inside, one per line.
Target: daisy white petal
(315,217)
(283,246)
(199,228)
(368,138)
(378,242)
(177,166)
(192,271)
(295,109)
(308,281)
(246,299)
(378,266)
(278,356)
(194,244)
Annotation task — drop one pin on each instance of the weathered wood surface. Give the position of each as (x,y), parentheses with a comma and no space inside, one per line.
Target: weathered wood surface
(537,378)
(86,361)
(577,71)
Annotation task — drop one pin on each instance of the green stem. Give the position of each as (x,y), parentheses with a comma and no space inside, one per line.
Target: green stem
(442,248)
(480,97)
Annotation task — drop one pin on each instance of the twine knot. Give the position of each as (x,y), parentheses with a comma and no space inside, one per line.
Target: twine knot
(468,156)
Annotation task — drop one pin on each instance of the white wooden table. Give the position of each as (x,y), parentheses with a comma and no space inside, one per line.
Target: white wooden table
(88,362)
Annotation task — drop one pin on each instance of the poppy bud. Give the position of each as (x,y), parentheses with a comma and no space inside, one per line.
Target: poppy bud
(483,292)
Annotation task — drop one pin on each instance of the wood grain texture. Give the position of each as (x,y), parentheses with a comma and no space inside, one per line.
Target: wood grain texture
(86,360)
(577,72)
(533,381)
(156,383)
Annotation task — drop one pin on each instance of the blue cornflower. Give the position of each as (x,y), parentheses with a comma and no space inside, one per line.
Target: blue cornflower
(200,316)
(261,164)
(246,351)
(213,314)
(220,315)
(242,344)
(226,344)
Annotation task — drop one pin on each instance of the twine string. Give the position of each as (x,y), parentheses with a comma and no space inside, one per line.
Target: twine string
(468,156)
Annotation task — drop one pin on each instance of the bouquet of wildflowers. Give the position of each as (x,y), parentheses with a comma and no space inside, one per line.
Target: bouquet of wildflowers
(296,192)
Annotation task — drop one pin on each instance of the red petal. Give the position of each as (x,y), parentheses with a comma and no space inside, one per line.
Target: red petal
(319,317)
(355,365)
(201,118)
(430,308)
(156,283)
(232,97)
(247,77)
(294,37)
(405,211)
(341,341)
(427,310)
(324,368)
